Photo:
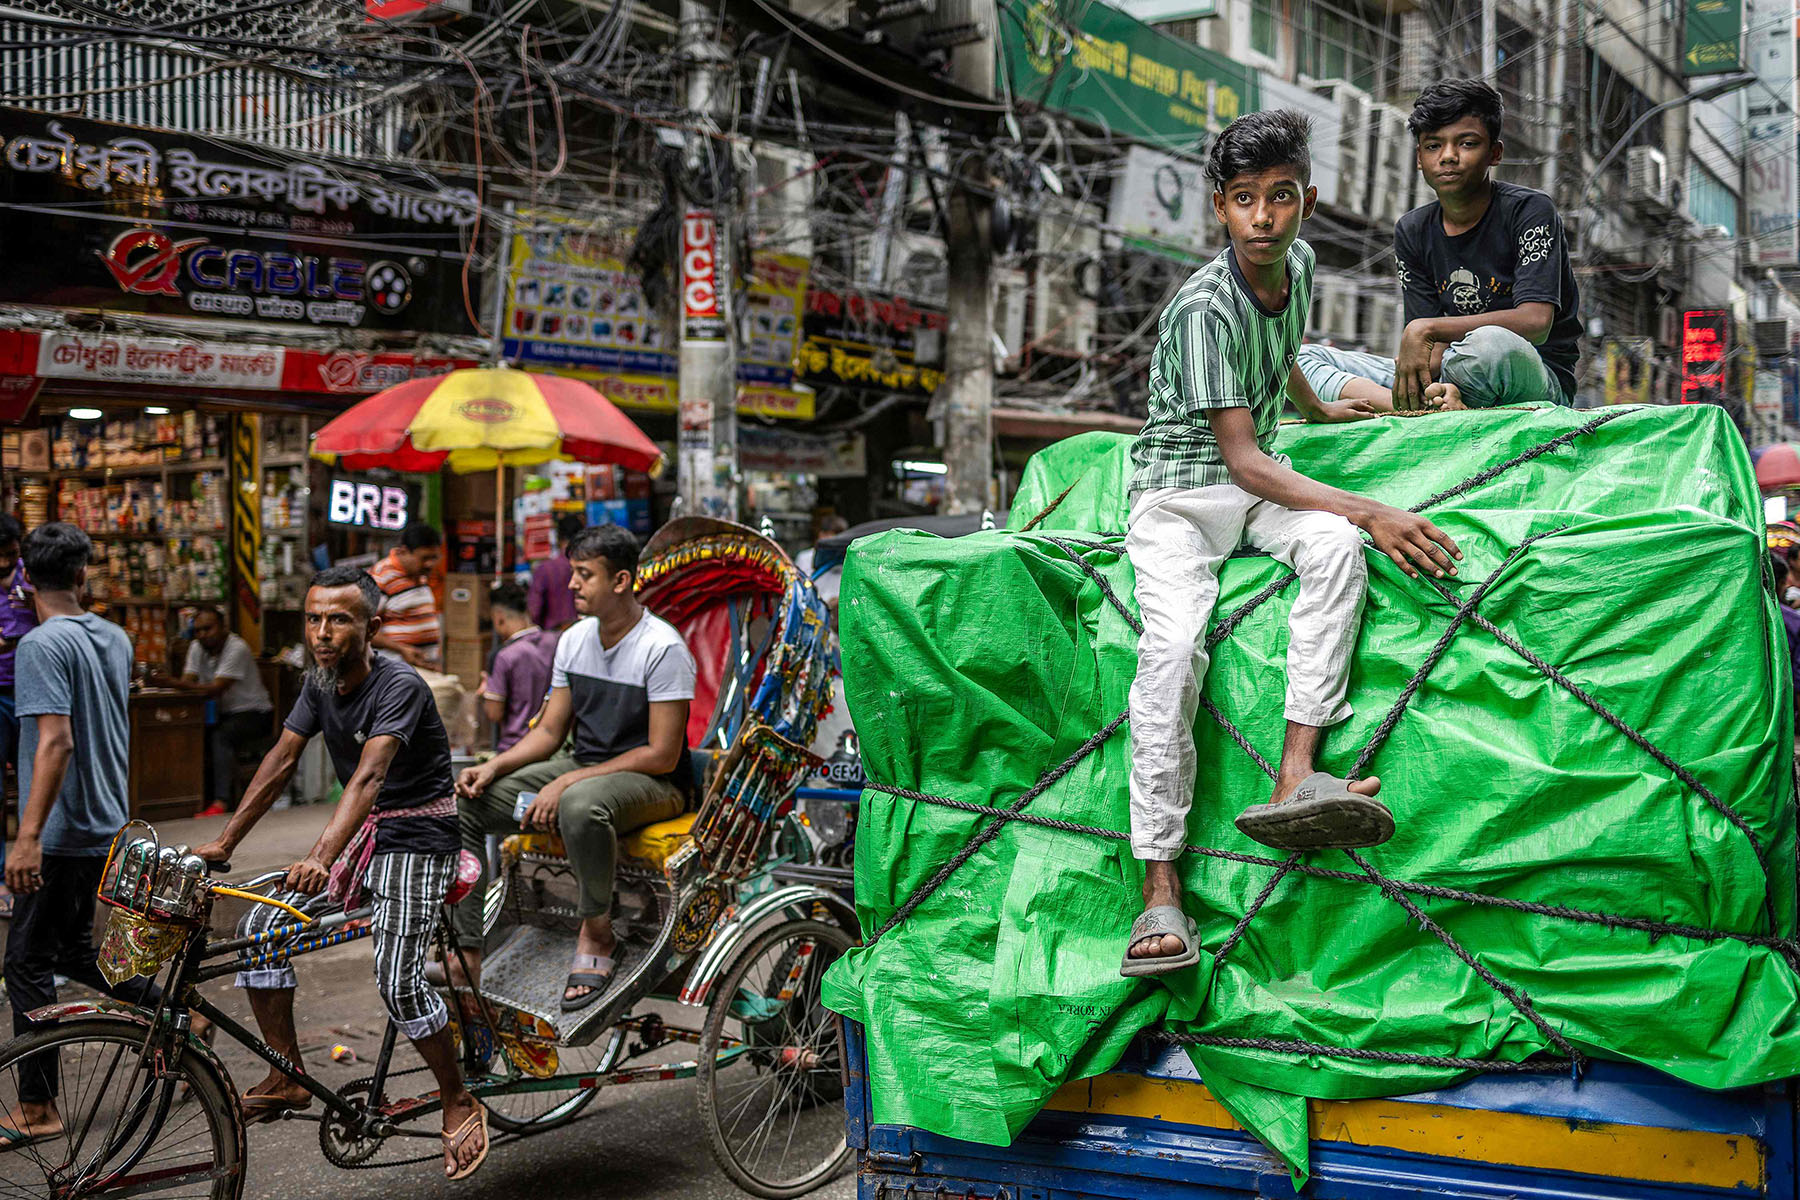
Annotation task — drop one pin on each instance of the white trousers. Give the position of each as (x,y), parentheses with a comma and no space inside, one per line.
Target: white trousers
(1177,539)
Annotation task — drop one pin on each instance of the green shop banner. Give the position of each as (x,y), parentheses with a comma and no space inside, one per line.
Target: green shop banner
(1098,65)
(1714,29)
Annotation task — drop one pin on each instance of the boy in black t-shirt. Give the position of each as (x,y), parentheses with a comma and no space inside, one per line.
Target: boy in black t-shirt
(394,830)
(1491,304)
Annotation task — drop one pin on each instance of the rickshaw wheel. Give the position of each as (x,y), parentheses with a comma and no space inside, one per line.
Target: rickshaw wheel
(771,1105)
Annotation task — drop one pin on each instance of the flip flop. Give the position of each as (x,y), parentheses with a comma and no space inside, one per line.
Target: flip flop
(454,1141)
(1322,814)
(593,972)
(1168,921)
(15,1139)
(262,1107)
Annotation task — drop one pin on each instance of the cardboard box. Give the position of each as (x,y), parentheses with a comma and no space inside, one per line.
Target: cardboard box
(34,450)
(466,601)
(465,658)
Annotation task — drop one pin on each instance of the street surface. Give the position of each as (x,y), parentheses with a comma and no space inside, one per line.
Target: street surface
(644,1142)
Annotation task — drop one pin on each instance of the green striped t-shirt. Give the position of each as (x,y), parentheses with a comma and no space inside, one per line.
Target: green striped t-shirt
(1217,347)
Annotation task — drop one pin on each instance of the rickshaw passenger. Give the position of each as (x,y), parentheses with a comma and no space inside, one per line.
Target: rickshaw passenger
(623,679)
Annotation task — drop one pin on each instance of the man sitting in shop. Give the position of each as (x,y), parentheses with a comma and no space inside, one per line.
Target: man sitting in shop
(409,615)
(221,667)
(622,679)
(1491,306)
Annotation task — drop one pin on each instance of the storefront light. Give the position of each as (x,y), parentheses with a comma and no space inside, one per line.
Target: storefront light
(85,414)
(156,410)
(921,468)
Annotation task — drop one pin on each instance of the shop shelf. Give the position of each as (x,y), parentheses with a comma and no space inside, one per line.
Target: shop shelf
(278,461)
(158,601)
(183,466)
(162,535)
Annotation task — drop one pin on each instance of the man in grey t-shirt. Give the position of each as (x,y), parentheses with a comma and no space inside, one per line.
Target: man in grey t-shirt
(74,672)
(221,667)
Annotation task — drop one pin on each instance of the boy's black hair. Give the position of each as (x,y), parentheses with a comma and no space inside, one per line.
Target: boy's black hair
(1451,100)
(54,555)
(11,532)
(356,577)
(421,535)
(509,596)
(1259,141)
(1778,567)
(567,526)
(614,543)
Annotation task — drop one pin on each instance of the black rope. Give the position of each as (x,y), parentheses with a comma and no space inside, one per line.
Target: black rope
(987,835)
(1463,612)
(1280,1046)
(1516,998)
(1542,448)
(1256,906)
(1654,928)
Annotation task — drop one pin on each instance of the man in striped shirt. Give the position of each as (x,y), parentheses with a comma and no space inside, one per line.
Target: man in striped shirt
(1208,480)
(409,614)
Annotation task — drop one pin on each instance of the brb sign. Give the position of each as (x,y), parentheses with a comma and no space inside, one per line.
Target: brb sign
(701,320)
(367,505)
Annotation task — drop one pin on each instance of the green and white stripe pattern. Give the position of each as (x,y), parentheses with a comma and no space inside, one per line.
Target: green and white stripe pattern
(1216,347)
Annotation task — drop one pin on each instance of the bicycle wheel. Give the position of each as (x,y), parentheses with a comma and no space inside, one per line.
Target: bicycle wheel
(553,1107)
(771,1105)
(128,1127)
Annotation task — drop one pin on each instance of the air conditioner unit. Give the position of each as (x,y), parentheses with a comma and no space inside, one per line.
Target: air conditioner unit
(1771,338)
(918,267)
(1334,310)
(1381,323)
(784,191)
(1010,293)
(1061,318)
(1354,138)
(1647,178)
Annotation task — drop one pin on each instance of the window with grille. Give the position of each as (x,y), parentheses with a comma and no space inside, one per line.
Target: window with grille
(1709,201)
(1263,16)
(1346,42)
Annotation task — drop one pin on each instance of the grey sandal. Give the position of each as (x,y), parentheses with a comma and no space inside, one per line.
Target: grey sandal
(1322,814)
(1165,920)
(591,971)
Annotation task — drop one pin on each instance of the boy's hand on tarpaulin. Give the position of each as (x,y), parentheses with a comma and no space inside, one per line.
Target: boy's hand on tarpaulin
(1414,543)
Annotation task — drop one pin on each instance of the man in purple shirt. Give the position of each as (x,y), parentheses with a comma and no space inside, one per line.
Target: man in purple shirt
(17,618)
(515,686)
(551,604)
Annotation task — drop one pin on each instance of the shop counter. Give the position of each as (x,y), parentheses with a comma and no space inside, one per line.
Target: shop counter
(168,754)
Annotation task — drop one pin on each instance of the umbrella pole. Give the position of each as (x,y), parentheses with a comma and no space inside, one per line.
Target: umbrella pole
(499,519)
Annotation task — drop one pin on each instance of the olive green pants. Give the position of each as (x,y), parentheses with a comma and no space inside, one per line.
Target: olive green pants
(592,815)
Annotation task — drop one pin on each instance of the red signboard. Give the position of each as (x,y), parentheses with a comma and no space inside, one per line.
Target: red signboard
(701,320)
(400,10)
(1705,352)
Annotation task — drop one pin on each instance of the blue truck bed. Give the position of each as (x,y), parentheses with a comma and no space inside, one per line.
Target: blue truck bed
(1150,1129)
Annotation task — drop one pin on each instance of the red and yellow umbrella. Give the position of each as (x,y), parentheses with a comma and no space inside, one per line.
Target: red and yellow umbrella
(481,419)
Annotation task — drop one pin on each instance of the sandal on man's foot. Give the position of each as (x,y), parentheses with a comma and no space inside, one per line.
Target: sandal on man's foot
(262,1107)
(591,971)
(1322,814)
(454,1142)
(1165,920)
(18,1139)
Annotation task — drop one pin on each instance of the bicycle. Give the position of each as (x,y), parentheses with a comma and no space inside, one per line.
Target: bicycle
(148,1108)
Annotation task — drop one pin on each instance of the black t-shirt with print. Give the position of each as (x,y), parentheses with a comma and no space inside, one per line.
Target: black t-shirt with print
(391,702)
(1516,254)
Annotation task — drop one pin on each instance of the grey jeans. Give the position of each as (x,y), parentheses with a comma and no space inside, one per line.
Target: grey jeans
(1490,366)
(591,817)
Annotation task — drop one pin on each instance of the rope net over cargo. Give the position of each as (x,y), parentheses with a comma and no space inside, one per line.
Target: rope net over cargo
(1407,895)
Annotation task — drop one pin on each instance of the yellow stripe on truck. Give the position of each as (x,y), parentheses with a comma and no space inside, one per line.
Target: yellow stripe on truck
(1683,1156)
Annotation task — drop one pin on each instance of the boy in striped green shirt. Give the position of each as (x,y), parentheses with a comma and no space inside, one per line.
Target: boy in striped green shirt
(1207,481)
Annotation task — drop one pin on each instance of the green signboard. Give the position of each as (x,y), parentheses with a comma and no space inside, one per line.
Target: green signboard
(1714,32)
(1101,66)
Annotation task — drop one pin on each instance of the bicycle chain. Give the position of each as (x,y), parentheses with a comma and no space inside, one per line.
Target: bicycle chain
(367,1084)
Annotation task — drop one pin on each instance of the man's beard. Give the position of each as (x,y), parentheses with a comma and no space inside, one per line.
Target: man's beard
(327,678)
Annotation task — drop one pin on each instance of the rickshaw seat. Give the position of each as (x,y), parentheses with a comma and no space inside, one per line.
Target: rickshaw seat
(655,843)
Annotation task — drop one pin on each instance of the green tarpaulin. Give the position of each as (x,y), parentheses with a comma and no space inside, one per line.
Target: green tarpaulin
(972,666)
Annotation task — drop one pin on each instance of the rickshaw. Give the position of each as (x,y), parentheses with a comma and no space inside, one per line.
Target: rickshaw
(727,910)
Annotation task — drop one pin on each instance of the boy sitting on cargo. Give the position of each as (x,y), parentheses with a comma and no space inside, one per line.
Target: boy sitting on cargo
(1207,481)
(1491,307)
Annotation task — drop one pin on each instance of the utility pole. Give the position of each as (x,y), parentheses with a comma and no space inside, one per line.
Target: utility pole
(706,453)
(967,394)
(1559,87)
